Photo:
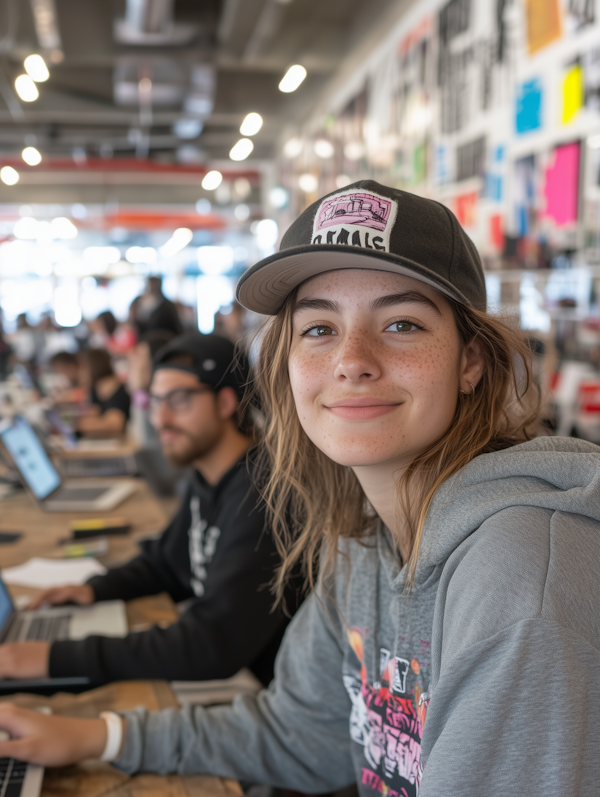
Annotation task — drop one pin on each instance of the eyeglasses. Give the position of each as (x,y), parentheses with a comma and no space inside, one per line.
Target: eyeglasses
(176,400)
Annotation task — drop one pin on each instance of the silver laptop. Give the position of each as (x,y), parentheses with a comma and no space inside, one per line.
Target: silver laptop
(18,779)
(106,618)
(43,482)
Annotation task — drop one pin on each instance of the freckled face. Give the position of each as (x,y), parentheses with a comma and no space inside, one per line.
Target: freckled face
(375,366)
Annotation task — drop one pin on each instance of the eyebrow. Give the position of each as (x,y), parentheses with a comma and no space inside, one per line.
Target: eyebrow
(390,300)
(408,297)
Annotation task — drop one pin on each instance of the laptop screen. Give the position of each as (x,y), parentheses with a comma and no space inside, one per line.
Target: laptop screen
(30,458)
(5,605)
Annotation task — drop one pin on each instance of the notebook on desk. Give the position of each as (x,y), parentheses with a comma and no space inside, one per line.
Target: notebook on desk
(107,618)
(43,482)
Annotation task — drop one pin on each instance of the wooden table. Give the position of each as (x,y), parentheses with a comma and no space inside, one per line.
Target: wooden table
(41,532)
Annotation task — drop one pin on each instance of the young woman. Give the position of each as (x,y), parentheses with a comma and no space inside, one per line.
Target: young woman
(450,645)
(110,402)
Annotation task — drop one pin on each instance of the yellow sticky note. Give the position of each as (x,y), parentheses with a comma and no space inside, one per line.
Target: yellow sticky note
(572,93)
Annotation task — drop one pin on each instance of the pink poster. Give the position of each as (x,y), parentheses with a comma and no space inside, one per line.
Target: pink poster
(561,190)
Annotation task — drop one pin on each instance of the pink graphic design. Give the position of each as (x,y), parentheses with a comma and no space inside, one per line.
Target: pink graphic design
(388,727)
(366,210)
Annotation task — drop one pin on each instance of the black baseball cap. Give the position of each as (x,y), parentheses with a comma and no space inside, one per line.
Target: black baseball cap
(369,226)
(216,361)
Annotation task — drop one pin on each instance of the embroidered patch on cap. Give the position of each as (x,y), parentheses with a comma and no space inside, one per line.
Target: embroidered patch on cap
(355,218)
(209,365)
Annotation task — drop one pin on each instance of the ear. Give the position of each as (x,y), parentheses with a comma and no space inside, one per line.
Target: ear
(227,403)
(472,366)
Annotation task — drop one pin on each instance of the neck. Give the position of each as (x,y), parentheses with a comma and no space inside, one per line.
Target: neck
(379,483)
(215,464)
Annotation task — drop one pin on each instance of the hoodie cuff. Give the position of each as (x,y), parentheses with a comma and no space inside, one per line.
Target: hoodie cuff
(130,760)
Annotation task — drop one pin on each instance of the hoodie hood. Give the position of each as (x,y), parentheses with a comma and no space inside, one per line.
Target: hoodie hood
(557,473)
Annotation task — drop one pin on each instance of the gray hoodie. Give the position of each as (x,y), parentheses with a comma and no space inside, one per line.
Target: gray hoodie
(484,680)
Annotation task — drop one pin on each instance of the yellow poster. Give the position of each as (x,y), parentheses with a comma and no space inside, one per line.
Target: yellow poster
(543,23)
(572,93)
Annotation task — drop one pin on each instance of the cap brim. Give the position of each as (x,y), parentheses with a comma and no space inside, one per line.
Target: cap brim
(266,285)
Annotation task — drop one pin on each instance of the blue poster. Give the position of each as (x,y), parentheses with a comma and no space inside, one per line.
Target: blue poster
(529,106)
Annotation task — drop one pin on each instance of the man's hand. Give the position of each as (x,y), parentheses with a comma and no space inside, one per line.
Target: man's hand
(49,741)
(24,660)
(71,593)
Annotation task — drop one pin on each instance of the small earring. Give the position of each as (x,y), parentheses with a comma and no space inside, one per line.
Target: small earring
(464,392)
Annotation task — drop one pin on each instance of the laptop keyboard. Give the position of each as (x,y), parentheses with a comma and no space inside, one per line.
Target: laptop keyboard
(42,629)
(78,494)
(12,776)
(98,466)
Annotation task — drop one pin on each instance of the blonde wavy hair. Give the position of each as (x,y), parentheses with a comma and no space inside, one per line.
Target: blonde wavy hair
(312,501)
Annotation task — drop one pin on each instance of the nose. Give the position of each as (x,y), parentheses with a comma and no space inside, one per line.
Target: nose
(160,416)
(356,361)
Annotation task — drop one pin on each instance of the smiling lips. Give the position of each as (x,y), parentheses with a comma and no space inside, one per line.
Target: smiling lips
(361,409)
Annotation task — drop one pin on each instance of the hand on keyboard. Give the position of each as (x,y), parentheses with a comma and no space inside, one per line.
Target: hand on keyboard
(24,660)
(49,740)
(80,594)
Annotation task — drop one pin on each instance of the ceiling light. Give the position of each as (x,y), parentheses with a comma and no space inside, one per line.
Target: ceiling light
(323,148)
(293,147)
(242,187)
(308,183)
(26,88)
(241,150)
(31,156)
(266,232)
(36,68)
(8,175)
(101,255)
(179,240)
(292,78)
(26,229)
(212,180)
(251,124)
(215,259)
(342,180)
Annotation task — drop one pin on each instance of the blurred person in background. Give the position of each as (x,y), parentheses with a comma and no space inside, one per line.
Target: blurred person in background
(65,368)
(155,311)
(102,330)
(24,341)
(216,554)
(139,376)
(110,402)
(229,322)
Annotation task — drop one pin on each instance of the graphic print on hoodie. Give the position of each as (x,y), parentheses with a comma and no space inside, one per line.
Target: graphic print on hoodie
(387,717)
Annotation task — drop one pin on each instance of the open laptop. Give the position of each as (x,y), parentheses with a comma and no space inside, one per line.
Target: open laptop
(106,618)
(42,480)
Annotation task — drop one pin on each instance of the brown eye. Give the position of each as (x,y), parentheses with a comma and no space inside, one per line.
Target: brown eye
(401,326)
(319,332)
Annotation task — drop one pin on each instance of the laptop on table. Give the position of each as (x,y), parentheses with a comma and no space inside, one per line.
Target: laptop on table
(106,618)
(41,479)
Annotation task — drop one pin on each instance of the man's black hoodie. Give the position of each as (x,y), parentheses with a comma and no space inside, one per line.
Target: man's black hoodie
(216,552)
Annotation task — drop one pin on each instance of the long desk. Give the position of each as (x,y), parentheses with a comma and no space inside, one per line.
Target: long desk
(41,531)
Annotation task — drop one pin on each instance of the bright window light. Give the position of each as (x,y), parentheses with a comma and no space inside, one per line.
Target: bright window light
(8,175)
(251,124)
(215,259)
(293,147)
(241,150)
(26,229)
(26,88)
(212,292)
(308,183)
(63,228)
(67,312)
(179,240)
(594,141)
(31,156)
(101,256)
(141,254)
(267,233)
(212,180)
(292,78)
(36,68)
(323,148)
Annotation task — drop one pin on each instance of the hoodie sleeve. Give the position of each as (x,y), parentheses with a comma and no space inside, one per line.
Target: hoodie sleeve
(293,735)
(515,679)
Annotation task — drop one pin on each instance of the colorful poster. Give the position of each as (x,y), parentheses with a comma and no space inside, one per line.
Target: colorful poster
(466,208)
(544,24)
(561,189)
(573,94)
(497,232)
(529,106)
